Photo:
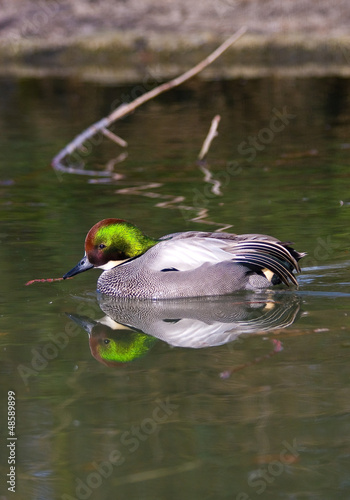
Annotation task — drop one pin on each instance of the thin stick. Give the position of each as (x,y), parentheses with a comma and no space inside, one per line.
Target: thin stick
(277,349)
(114,137)
(125,109)
(211,135)
(208,177)
(44,280)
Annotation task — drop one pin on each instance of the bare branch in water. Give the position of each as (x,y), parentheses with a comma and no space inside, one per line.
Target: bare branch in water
(102,125)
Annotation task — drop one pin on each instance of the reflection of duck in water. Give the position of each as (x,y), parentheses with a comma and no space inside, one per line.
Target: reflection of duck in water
(131,327)
(113,344)
(190,264)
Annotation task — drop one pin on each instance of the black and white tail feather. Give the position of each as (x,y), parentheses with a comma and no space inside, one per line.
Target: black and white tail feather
(273,256)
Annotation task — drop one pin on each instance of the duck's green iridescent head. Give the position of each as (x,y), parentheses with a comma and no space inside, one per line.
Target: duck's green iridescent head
(109,243)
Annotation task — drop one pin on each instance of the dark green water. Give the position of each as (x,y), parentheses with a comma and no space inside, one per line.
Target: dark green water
(238,398)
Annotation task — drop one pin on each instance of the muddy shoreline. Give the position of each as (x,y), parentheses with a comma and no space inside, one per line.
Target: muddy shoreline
(122,41)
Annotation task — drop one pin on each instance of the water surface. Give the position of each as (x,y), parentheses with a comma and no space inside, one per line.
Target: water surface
(190,409)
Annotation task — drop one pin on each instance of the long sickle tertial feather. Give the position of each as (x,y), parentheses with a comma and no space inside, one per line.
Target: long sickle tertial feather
(269,248)
(264,261)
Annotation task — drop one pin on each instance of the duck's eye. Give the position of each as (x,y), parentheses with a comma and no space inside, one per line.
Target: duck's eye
(101,246)
(106,341)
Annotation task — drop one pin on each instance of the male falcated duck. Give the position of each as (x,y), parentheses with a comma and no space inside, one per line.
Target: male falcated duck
(188,264)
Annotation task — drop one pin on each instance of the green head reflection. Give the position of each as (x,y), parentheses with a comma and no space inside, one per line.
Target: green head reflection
(113,347)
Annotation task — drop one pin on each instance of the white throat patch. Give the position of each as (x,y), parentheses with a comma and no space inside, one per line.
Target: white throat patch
(111,264)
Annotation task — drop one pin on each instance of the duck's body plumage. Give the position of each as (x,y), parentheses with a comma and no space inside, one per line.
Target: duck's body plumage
(189,264)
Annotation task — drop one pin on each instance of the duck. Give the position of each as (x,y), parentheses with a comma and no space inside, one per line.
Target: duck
(184,264)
